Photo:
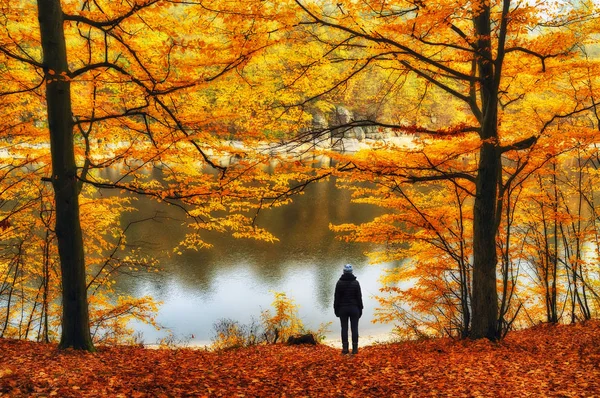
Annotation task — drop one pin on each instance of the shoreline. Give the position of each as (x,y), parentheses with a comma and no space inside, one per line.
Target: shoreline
(363,341)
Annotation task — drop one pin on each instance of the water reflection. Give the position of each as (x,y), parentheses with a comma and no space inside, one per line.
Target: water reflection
(234,279)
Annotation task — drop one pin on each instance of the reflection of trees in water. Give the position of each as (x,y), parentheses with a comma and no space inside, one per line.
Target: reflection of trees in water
(302,227)
(326,279)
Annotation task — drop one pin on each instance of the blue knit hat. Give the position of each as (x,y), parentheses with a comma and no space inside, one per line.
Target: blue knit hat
(348,269)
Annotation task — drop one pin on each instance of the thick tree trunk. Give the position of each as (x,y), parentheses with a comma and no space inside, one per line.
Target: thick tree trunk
(485,294)
(75,318)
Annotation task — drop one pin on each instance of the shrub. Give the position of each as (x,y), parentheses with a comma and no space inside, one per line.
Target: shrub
(284,322)
(231,334)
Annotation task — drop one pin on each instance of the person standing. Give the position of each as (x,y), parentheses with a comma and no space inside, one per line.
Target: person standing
(348,305)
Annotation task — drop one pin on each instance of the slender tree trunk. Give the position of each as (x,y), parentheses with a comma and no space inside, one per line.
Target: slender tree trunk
(579,241)
(463,271)
(506,268)
(45,304)
(553,293)
(75,318)
(32,312)
(545,260)
(10,294)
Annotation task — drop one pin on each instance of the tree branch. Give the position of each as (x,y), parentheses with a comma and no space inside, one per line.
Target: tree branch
(384,40)
(20,58)
(440,177)
(110,23)
(431,79)
(519,145)
(535,54)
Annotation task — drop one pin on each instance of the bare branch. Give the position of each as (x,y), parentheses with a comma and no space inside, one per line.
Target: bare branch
(542,57)
(20,58)
(440,177)
(519,145)
(435,81)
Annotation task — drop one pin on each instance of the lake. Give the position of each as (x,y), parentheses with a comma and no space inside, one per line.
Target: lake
(235,279)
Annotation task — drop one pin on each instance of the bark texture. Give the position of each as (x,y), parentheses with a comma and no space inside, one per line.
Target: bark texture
(485,258)
(75,317)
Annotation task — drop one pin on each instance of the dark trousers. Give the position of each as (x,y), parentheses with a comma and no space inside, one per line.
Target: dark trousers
(352,313)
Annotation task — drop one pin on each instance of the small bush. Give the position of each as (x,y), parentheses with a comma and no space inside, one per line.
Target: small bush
(284,322)
(231,334)
(228,334)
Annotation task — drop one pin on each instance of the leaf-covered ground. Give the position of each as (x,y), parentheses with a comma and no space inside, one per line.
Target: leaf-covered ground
(562,361)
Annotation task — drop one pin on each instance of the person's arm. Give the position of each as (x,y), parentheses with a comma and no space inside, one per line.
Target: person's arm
(360,303)
(336,295)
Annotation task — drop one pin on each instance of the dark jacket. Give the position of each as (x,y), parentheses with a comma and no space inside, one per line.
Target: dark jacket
(347,293)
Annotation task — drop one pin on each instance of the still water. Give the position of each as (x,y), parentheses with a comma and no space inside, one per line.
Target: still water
(235,279)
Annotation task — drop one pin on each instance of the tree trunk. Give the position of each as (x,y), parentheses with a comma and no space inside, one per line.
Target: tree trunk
(75,318)
(554,263)
(485,294)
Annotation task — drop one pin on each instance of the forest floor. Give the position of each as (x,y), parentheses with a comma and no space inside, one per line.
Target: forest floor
(557,361)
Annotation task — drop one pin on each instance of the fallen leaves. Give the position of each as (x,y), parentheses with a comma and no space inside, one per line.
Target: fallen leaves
(561,361)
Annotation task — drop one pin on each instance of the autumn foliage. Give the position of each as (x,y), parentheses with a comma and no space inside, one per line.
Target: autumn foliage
(212,107)
(552,361)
